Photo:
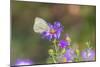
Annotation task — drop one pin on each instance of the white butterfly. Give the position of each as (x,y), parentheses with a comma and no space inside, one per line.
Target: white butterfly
(40,25)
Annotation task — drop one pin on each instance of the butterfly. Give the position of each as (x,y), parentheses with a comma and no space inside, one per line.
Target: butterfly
(40,25)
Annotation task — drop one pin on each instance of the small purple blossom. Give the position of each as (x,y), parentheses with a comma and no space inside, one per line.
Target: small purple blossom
(54,31)
(88,54)
(63,43)
(70,54)
(23,62)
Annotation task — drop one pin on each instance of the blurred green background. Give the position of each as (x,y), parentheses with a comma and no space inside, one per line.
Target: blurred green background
(79,22)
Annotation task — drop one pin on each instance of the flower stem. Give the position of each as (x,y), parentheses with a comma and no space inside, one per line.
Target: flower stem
(54,59)
(55,46)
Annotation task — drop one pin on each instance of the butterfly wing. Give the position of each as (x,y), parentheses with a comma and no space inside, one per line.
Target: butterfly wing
(40,25)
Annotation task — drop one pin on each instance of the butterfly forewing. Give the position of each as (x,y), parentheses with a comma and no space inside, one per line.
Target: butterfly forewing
(40,25)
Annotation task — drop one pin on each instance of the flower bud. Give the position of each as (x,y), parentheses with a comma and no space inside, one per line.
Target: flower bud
(68,38)
(64,59)
(51,51)
(63,50)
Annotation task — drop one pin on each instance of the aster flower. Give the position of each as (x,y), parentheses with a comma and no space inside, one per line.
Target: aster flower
(69,55)
(63,43)
(23,62)
(88,54)
(54,31)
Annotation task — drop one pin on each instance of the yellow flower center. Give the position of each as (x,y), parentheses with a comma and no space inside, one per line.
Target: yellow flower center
(68,39)
(52,31)
(64,59)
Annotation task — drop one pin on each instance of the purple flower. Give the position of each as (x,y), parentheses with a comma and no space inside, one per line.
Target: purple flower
(63,43)
(23,62)
(54,31)
(88,54)
(70,55)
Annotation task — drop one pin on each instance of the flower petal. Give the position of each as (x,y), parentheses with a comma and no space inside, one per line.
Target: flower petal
(58,34)
(57,24)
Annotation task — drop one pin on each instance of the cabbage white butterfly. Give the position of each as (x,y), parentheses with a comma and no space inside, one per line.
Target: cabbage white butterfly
(40,25)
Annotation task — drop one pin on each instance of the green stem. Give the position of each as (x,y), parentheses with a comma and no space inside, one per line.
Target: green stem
(56,49)
(55,46)
(54,59)
(88,44)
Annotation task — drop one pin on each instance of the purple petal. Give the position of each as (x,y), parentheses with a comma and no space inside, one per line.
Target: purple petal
(70,54)
(47,33)
(51,26)
(63,43)
(58,35)
(23,62)
(49,37)
(55,36)
(57,24)
(88,54)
